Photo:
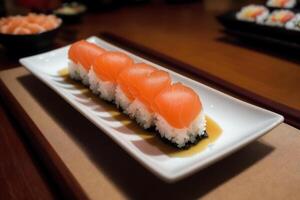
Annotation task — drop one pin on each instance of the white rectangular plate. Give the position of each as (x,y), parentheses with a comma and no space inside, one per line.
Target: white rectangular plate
(241,122)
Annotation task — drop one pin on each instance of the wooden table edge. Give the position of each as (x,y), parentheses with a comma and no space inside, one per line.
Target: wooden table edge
(51,161)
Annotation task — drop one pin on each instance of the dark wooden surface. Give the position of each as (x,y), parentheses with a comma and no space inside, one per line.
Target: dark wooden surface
(164,28)
(21,176)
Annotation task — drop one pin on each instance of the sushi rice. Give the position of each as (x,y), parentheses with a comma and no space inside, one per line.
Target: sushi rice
(121,100)
(105,89)
(138,111)
(78,72)
(184,136)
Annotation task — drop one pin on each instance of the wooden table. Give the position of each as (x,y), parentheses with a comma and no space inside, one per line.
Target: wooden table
(188,33)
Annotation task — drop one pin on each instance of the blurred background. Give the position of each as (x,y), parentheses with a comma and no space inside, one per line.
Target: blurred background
(10,7)
(128,18)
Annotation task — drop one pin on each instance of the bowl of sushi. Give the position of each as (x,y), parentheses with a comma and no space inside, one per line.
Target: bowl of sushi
(28,32)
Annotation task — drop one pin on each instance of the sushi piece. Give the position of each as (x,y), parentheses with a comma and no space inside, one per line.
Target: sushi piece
(282,3)
(179,115)
(294,24)
(128,81)
(81,56)
(147,89)
(105,71)
(253,13)
(279,17)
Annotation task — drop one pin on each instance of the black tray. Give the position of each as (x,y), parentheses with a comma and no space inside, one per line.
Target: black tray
(259,32)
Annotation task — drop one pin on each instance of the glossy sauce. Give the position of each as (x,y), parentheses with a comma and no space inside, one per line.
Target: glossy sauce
(63,72)
(214,131)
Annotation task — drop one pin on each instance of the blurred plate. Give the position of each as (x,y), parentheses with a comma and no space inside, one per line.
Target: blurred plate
(260,32)
(240,122)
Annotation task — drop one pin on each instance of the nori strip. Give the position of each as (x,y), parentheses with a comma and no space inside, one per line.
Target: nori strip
(187,145)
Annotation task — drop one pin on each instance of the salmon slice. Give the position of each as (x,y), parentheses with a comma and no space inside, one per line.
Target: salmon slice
(34,28)
(130,77)
(35,18)
(84,52)
(4,21)
(149,87)
(282,2)
(50,22)
(13,23)
(110,64)
(256,12)
(287,17)
(178,104)
(21,31)
(30,24)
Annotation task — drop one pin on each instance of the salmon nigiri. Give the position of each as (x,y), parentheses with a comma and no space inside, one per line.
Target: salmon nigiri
(148,88)
(128,82)
(282,3)
(280,17)
(105,71)
(81,55)
(179,115)
(253,13)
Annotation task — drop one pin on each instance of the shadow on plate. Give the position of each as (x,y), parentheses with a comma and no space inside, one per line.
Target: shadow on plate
(127,174)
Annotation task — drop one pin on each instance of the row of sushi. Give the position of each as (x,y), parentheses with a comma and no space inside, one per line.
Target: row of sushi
(282,3)
(261,15)
(142,91)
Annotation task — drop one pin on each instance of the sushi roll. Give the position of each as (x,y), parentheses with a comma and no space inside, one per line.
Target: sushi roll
(294,24)
(279,17)
(127,83)
(147,89)
(179,115)
(282,3)
(81,55)
(104,72)
(253,13)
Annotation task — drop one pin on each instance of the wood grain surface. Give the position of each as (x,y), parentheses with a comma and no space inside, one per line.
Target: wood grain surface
(21,177)
(100,169)
(65,186)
